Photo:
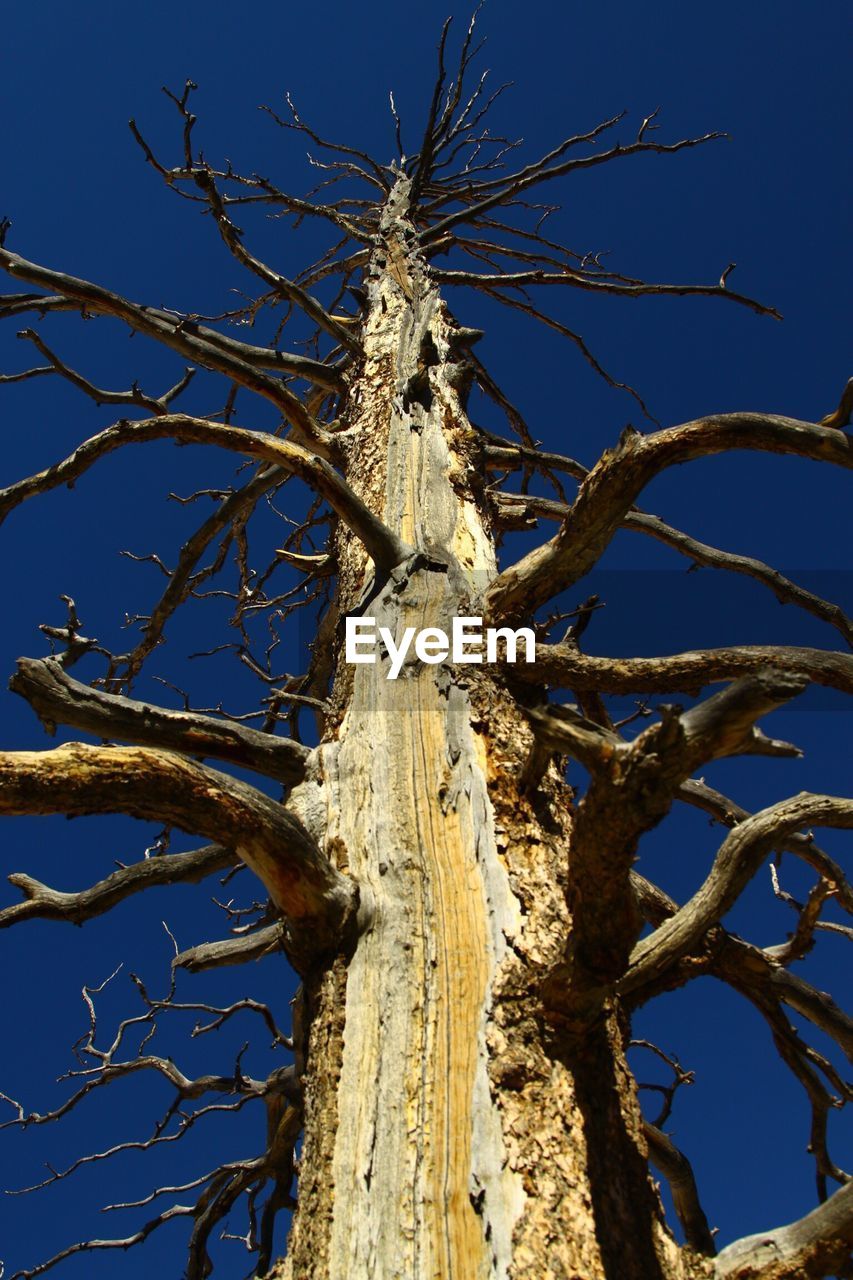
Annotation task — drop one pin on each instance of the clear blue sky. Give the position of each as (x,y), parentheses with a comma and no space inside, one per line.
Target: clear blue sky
(775,199)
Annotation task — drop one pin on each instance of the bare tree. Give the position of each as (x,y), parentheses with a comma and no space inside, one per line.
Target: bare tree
(472,940)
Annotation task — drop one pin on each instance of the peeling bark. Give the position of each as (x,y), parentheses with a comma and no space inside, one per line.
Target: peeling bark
(449,1130)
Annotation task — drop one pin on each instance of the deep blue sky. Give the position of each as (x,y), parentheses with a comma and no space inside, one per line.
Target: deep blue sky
(775,199)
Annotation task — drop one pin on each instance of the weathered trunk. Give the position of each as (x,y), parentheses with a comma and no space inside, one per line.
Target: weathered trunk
(450,1130)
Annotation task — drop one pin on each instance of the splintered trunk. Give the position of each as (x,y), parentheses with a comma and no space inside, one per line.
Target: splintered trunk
(451,1130)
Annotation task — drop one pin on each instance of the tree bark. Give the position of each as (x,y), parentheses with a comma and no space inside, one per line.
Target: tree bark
(450,1130)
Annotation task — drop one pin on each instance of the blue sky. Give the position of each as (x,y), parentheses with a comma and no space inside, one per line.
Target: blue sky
(775,199)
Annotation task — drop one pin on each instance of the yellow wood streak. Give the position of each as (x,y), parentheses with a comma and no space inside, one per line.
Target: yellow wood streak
(459,944)
(459,986)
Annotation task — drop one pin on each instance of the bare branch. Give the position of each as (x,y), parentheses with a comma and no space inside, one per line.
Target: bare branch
(262,191)
(578,341)
(801,940)
(677,1170)
(544,169)
(580,280)
(752,971)
(190,326)
(173,332)
(93,1246)
(727,812)
(228,951)
(164,787)
(423,170)
(234,507)
(564,667)
(384,547)
(57,698)
(232,237)
(632,787)
(758,976)
(377,176)
(748,968)
(42,902)
(817,1245)
(840,417)
(739,858)
(528,506)
(154,404)
(612,486)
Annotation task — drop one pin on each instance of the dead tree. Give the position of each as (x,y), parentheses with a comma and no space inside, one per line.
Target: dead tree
(470,938)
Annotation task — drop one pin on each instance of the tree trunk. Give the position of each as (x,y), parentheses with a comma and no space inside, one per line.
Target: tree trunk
(451,1131)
